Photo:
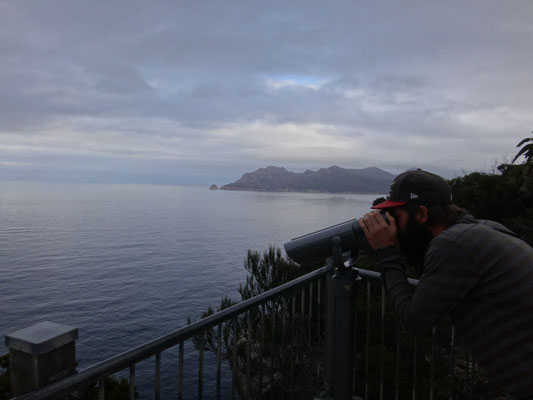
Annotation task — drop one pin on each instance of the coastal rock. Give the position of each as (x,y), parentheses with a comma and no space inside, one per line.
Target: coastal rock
(213,187)
(326,180)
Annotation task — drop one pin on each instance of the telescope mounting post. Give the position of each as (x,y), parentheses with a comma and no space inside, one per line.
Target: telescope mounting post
(345,283)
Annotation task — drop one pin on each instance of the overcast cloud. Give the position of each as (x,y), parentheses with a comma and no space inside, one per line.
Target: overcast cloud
(202,91)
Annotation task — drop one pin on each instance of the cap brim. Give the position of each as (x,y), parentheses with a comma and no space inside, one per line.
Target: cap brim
(388,204)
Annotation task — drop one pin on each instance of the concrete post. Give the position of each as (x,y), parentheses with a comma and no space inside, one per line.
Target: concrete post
(41,354)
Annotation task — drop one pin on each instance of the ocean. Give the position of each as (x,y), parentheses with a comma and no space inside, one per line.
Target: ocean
(128,263)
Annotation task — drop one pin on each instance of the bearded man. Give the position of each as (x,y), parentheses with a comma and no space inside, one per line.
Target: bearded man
(476,271)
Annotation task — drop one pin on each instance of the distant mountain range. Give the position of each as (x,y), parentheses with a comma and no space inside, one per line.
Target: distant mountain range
(329,180)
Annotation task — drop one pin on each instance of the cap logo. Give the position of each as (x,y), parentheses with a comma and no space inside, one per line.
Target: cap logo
(414,196)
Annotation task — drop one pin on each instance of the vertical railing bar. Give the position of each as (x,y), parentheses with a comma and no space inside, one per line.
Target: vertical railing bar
(354,347)
(432,365)
(293,339)
(302,309)
(309,330)
(475,371)
(132,382)
(201,365)
(382,344)
(415,355)
(283,349)
(302,333)
(262,349)
(101,389)
(367,335)
(469,374)
(272,348)
(318,333)
(234,361)
(452,364)
(157,376)
(397,380)
(180,371)
(248,352)
(219,359)
(329,329)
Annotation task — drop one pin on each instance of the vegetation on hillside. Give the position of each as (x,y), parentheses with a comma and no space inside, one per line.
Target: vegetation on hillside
(256,343)
(506,197)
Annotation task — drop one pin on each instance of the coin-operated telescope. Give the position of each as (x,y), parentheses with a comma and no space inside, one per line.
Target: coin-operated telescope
(318,246)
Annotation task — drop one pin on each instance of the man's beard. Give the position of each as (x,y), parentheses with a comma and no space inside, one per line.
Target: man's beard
(413,242)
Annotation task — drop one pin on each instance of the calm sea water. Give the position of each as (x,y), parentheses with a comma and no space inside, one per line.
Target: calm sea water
(128,263)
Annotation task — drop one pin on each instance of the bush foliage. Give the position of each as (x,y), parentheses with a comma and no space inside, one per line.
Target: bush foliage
(505,197)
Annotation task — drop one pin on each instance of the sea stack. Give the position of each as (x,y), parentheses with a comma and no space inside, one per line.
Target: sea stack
(213,187)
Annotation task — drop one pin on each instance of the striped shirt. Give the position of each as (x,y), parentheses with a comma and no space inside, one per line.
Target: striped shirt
(483,279)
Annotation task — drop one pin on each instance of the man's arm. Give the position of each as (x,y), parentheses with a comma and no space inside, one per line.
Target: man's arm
(448,277)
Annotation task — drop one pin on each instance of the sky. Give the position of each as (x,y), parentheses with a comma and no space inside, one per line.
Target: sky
(199,92)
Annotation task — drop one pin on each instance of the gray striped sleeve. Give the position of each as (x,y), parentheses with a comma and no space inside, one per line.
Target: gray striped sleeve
(438,289)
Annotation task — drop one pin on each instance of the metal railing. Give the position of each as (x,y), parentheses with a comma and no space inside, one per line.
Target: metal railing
(279,344)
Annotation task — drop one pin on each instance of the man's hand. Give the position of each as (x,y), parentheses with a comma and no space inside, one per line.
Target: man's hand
(378,233)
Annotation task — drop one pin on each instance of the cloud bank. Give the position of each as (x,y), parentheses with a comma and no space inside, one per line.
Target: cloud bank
(200,92)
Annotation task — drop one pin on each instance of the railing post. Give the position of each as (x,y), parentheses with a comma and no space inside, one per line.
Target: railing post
(345,287)
(344,282)
(40,354)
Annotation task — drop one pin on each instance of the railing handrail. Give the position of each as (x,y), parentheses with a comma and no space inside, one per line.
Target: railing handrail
(139,353)
(376,275)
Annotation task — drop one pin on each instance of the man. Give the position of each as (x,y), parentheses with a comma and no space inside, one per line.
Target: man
(477,272)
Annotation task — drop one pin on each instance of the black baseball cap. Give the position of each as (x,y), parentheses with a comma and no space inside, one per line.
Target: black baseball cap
(417,187)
